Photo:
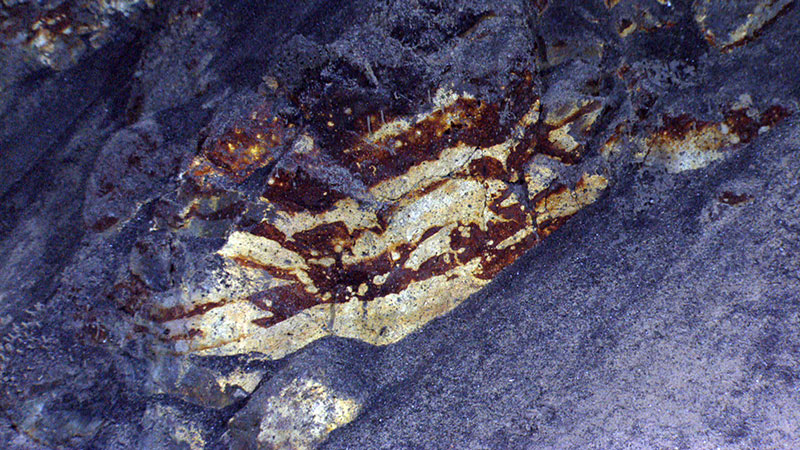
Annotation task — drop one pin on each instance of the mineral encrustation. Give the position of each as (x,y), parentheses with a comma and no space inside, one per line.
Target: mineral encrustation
(254,224)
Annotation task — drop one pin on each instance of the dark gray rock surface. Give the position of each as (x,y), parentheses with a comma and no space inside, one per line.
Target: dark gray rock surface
(665,315)
(667,324)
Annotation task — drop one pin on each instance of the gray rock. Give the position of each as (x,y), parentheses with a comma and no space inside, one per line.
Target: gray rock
(665,314)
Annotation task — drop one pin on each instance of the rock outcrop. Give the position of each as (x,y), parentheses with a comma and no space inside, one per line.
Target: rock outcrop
(254,224)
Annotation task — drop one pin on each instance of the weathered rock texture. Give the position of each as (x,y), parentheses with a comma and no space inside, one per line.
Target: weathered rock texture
(469,224)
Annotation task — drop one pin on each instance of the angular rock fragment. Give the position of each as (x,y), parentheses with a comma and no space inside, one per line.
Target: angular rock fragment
(129,163)
(203,386)
(300,416)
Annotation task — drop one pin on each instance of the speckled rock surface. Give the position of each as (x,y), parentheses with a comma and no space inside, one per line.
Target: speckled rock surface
(378,224)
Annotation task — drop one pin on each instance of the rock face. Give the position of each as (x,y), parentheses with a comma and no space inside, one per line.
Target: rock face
(277,225)
(370,241)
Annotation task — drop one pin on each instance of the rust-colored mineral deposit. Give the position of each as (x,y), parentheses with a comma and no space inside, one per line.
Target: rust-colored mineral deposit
(376,238)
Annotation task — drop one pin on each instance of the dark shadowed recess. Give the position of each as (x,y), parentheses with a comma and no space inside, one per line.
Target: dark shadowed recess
(35,155)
